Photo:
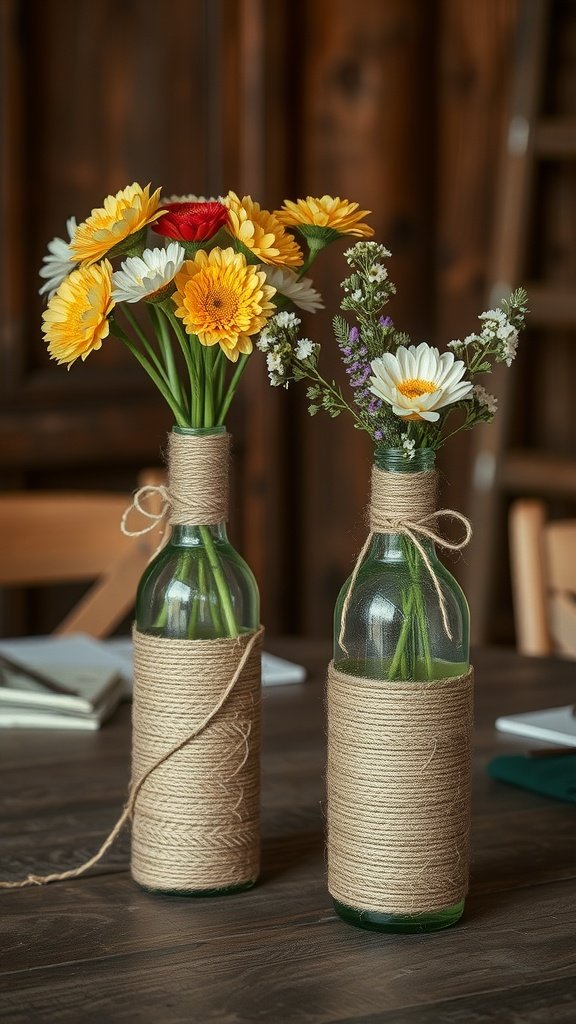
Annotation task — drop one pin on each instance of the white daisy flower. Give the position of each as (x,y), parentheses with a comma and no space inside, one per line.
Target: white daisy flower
(191,198)
(304,348)
(299,290)
(417,381)
(59,262)
(142,276)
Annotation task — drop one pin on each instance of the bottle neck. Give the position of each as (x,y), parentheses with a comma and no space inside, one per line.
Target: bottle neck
(392,547)
(403,491)
(395,460)
(195,536)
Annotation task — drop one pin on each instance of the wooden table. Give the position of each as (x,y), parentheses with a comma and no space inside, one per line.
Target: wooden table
(99,949)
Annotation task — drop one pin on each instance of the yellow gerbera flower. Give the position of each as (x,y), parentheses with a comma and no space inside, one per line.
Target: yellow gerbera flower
(223,300)
(111,229)
(330,213)
(75,321)
(261,234)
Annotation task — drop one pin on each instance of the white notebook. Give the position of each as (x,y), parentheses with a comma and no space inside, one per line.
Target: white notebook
(555,725)
(72,685)
(97,672)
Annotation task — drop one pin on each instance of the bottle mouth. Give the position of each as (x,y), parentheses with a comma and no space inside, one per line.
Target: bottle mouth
(199,431)
(395,460)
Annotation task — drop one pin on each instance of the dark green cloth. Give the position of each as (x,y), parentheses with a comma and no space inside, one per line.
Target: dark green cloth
(550,776)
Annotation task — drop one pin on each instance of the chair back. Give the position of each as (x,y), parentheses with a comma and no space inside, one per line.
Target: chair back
(543,564)
(49,537)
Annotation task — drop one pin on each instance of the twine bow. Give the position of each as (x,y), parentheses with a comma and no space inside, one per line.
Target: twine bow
(413,529)
(155,517)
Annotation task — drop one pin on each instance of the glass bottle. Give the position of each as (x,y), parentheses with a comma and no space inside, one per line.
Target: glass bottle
(198,588)
(394,630)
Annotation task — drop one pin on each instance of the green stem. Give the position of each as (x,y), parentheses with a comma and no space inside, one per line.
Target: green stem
(208,359)
(164,340)
(223,410)
(163,388)
(191,365)
(400,652)
(220,581)
(144,340)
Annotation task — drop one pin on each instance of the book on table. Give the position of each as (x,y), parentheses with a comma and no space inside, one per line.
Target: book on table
(76,681)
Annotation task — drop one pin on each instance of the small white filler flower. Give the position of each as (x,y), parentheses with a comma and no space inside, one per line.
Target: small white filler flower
(417,381)
(143,276)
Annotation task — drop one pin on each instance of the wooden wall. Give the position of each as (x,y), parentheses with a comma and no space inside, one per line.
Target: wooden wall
(398,104)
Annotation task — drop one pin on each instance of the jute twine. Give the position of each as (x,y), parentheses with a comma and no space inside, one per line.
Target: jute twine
(197,490)
(399,769)
(196,823)
(405,503)
(194,795)
(246,655)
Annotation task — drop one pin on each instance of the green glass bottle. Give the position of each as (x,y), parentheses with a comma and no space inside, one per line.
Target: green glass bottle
(198,588)
(394,630)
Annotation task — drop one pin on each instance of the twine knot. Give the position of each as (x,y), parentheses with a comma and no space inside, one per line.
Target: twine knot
(405,504)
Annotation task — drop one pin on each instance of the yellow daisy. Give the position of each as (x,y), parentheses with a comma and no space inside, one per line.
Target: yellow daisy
(333,214)
(75,321)
(110,230)
(223,300)
(260,234)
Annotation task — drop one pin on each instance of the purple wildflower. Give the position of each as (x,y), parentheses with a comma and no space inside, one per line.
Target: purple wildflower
(378,435)
(354,335)
(386,321)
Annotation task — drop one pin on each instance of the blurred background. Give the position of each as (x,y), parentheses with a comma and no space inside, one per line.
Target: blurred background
(423,111)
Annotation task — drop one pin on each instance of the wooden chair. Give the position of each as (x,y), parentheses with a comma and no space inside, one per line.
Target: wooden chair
(49,537)
(543,563)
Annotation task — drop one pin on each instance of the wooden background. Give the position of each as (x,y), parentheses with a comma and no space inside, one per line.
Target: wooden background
(398,104)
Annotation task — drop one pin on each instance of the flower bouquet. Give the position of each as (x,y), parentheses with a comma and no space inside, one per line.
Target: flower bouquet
(400,684)
(217,273)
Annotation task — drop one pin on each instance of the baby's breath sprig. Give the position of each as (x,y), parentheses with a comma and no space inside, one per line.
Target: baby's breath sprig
(403,395)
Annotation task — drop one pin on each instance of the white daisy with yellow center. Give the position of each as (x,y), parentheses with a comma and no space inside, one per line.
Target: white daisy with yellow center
(417,381)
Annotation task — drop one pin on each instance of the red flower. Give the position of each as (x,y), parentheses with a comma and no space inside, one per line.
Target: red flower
(191,222)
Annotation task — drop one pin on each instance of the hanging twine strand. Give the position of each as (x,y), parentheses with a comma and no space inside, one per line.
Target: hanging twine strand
(398,784)
(405,504)
(251,644)
(197,491)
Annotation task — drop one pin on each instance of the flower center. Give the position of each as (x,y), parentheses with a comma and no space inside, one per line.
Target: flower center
(221,304)
(414,387)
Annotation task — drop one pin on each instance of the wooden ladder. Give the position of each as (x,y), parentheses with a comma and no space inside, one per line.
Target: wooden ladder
(498,470)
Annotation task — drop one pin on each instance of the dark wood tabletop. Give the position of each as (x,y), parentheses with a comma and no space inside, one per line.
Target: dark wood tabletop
(99,949)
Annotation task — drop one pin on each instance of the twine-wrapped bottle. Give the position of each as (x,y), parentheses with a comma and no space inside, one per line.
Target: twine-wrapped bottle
(196,714)
(400,716)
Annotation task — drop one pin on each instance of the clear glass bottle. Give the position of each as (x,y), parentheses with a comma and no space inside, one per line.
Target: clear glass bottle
(394,630)
(198,588)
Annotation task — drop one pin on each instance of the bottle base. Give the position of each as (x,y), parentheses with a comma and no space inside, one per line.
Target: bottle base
(228,890)
(375,921)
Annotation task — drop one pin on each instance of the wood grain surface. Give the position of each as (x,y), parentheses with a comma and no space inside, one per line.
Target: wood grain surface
(99,949)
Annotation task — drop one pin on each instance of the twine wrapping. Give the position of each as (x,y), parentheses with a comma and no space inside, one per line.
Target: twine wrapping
(197,490)
(196,824)
(398,781)
(246,651)
(405,503)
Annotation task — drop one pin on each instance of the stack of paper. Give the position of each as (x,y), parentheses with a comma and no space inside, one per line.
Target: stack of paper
(57,683)
(76,682)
